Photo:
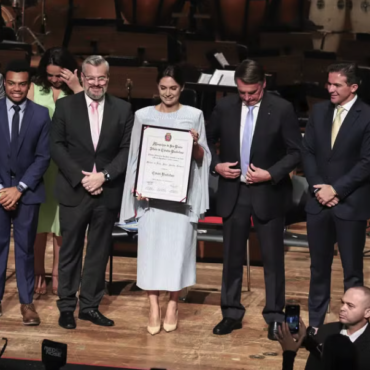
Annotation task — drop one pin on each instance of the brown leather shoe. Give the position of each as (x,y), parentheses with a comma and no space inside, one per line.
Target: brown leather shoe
(30,316)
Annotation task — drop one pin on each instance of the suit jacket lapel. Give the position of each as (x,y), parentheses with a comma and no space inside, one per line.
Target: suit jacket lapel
(234,132)
(347,124)
(4,123)
(327,125)
(264,113)
(26,122)
(107,119)
(82,117)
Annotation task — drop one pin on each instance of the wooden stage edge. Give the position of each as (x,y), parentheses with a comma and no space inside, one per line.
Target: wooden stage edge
(191,346)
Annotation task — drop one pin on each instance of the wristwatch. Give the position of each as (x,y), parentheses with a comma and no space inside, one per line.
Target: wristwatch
(20,188)
(106,175)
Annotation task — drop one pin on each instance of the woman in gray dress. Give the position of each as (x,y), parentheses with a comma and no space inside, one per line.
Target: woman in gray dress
(168,230)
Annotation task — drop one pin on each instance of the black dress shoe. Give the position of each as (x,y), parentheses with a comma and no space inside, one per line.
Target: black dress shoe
(273,330)
(67,321)
(226,326)
(96,318)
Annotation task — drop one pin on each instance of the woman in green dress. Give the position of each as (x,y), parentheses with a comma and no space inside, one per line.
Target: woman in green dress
(56,78)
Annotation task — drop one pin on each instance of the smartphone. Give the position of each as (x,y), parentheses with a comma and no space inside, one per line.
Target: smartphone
(292,313)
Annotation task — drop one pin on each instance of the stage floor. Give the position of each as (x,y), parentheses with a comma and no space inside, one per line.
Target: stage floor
(191,346)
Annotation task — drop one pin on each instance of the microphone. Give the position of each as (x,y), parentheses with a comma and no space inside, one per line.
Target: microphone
(129,85)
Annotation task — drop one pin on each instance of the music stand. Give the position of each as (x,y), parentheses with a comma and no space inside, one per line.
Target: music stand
(23,28)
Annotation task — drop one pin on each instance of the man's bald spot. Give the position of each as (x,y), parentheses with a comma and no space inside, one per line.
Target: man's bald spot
(366,293)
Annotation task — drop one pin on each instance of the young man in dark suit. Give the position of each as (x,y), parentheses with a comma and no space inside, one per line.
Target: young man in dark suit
(260,146)
(24,158)
(353,322)
(90,140)
(336,158)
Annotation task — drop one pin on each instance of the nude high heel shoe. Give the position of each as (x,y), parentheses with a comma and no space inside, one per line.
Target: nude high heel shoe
(153,330)
(171,327)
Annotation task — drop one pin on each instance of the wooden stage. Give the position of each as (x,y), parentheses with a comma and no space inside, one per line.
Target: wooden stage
(192,346)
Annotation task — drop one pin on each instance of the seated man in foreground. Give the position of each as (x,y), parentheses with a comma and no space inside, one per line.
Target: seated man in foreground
(353,322)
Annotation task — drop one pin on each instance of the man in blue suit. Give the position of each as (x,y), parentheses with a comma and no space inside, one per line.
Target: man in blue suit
(24,158)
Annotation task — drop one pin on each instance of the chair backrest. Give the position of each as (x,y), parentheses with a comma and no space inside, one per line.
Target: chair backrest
(189,97)
(212,189)
(300,198)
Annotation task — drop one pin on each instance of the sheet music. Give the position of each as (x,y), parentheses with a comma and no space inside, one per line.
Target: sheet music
(223,78)
(204,78)
(221,59)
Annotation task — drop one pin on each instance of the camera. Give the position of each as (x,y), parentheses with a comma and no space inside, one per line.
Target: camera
(311,344)
(292,313)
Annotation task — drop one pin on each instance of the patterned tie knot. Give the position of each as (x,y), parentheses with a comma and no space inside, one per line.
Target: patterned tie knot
(94,105)
(16,108)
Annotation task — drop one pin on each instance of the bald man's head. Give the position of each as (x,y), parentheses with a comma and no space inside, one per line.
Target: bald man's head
(355,306)
(365,292)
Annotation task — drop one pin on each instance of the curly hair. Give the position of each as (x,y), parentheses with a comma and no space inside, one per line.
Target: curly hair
(58,57)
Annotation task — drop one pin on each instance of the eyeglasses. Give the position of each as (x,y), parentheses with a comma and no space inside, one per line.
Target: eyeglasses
(101,80)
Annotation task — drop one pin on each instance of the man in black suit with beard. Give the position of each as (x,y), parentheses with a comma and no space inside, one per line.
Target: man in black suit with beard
(260,146)
(90,140)
(336,158)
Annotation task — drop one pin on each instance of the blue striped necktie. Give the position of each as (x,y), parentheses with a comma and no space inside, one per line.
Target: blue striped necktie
(247,141)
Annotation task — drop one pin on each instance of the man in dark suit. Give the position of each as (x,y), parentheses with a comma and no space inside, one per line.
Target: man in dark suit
(24,158)
(90,139)
(260,146)
(336,158)
(353,322)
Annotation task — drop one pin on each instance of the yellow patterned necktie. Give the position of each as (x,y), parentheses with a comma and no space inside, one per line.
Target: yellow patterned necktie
(336,125)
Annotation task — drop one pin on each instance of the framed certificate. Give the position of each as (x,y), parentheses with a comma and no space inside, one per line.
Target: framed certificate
(164,162)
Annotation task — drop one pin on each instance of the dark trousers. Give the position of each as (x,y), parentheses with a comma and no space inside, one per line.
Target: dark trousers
(270,234)
(74,221)
(324,230)
(24,219)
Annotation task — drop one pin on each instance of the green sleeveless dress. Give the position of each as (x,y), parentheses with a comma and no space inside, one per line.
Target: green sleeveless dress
(49,211)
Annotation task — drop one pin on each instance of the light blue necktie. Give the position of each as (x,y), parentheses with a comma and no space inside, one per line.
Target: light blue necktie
(247,141)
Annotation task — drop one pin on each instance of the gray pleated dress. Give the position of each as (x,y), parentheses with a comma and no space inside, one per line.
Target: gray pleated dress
(167,231)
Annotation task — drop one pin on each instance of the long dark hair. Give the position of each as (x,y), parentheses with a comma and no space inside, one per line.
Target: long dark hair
(58,57)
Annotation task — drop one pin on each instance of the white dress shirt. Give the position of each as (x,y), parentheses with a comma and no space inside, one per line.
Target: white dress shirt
(346,107)
(10,112)
(245,110)
(353,337)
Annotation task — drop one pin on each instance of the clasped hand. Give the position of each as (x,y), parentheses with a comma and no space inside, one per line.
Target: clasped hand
(225,170)
(254,174)
(195,135)
(93,182)
(9,198)
(326,195)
